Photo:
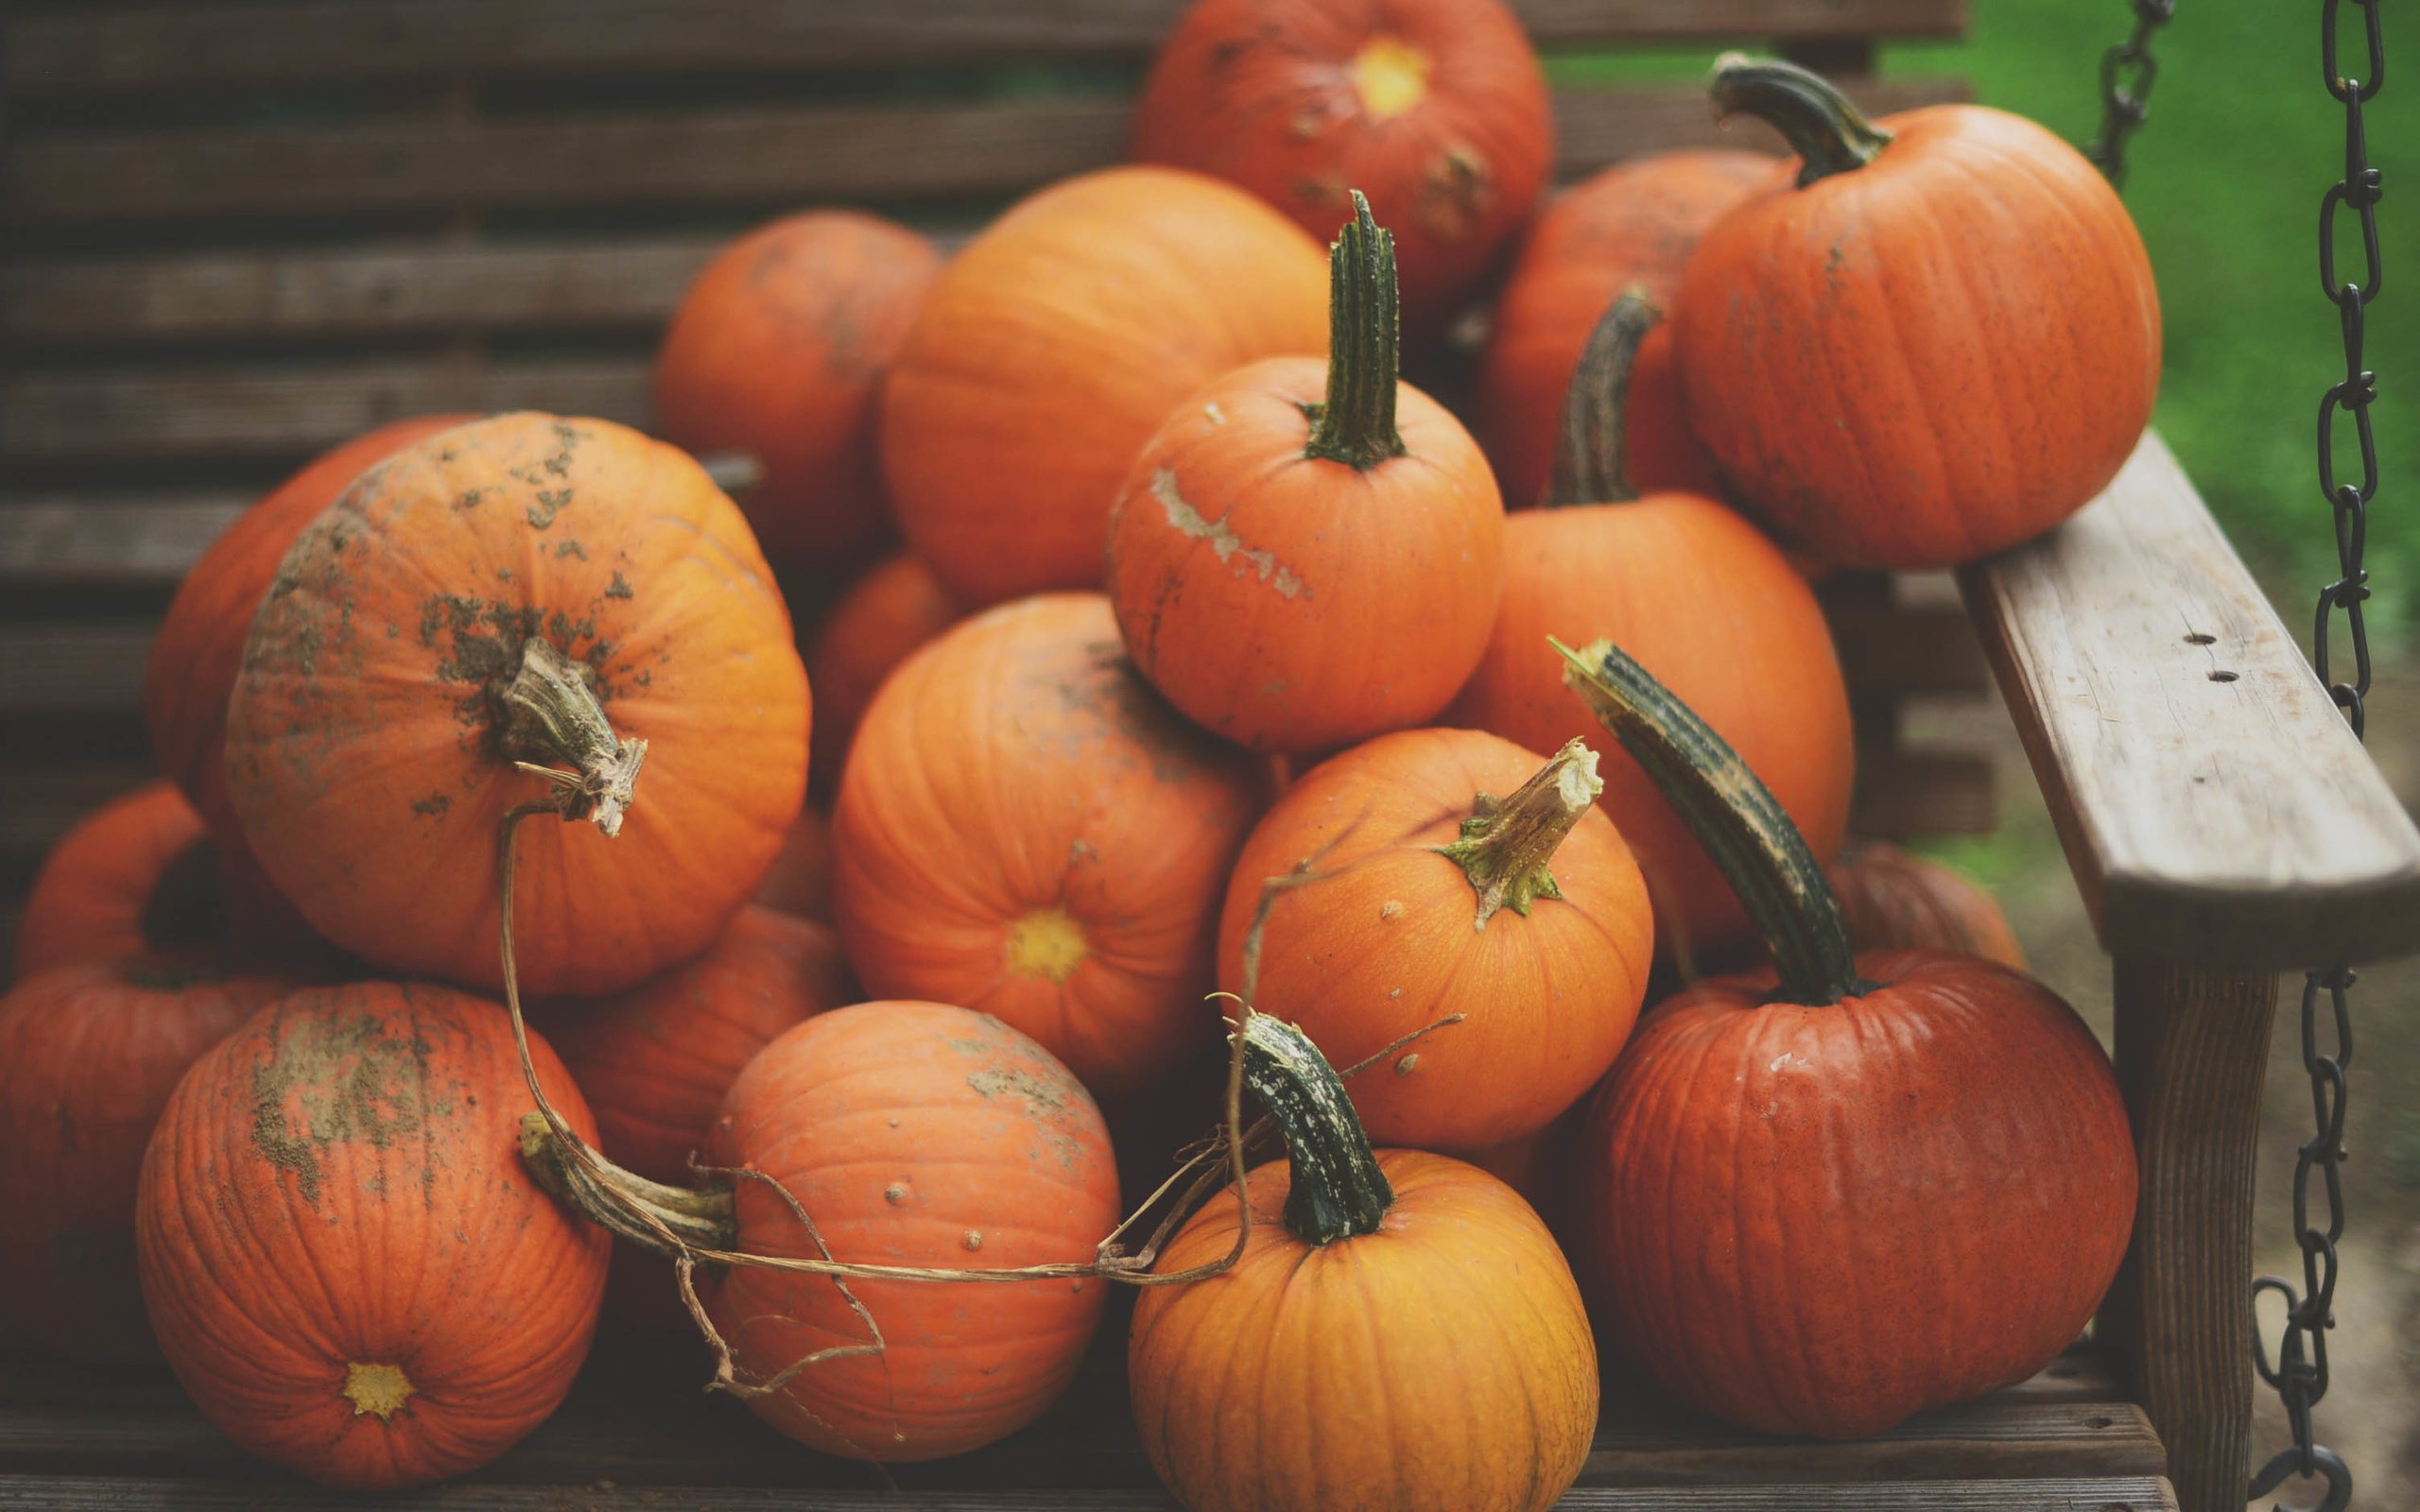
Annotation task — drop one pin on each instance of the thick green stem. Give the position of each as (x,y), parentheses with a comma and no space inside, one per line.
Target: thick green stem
(1590,465)
(552,718)
(603,1193)
(1338,1190)
(1506,843)
(1357,425)
(1734,817)
(1829,134)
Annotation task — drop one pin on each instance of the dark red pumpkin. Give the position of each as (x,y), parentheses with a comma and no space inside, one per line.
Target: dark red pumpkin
(344,1259)
(1776,1150)
(890,611)
(133,877)
(1629,226)
(778,351)
(1930,338)
(1435,109)
(1890,900)
(89,1053)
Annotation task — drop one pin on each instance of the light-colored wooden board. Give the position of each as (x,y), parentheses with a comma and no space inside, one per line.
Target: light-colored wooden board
(184,46)
(756,156)
(111,541)
(2214,807)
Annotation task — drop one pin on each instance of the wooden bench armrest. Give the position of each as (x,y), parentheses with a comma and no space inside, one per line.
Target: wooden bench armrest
(2213,806)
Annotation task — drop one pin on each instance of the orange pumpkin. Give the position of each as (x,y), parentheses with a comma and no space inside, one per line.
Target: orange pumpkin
(487,596)
(890,611)
(1399,1332)
(1775,1150)
(1631,225)
(89,1053)
(343,1258)
(1053,344)
(1864,340)
(1309,554)
(1435,109)
(1707,604)
(1459,874)
(778,351)
(1025,828)
(799,881)
(131,877)
(201,644)
(1893,901)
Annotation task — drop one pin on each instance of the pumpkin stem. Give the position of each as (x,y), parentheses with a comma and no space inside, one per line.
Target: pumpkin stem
(1590,466)
(700,1217)
(1829,134)
(552,718)
(1338,1190)
(1734,817)
(1357,425)
(1506,843)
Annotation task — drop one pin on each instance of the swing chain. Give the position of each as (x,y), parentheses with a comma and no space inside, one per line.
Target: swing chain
(2127,72)
(2299,1370)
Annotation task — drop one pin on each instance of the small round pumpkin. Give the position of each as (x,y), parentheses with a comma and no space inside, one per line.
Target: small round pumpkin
(132,877)
(1775,1150)
(525,588)
(1309,554)
(1435,109)
(890,611)
(1629,226)
(201,644)
(1399,1332)
(1026,828)
(1054,342)
(1865,342)
(347,1265)
(1705,602)
(1890,900)
(1457,873)
(778,349)
(89,1053)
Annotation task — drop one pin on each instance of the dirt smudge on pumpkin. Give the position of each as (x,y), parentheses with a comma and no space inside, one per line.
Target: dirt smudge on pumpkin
(1224,544)
(349,1081)
(1456,193)
(1039,1094)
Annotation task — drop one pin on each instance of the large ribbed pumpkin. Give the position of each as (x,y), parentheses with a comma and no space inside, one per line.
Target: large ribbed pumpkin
(522,588)
(778,351)
(1399,1332)
(201,644)
(132,877)
(1629,226)
(1026,828)
(1927,338)
(1053,344)
(346,1263)
(1774,1151)
(89,1054)
(1435,109)
(1462,875)
(888,612)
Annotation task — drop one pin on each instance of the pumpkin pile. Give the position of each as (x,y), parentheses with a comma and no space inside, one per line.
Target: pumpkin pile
(1216,733)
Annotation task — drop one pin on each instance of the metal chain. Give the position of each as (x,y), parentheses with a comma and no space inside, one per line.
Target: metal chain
(2299,1370)
(2127,74)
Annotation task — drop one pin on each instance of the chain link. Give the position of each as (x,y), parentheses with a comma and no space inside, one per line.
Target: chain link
(2299,1370)
(2127,72)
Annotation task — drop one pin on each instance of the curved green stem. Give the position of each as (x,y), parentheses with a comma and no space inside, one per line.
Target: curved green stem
(1338,1190)
(1734,817)
(701,1217)
(1829,134)
(1507,843)
(1357,425)
(1590,463)
(552,718)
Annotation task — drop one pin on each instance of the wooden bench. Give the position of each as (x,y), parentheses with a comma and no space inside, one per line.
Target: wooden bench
(240,232)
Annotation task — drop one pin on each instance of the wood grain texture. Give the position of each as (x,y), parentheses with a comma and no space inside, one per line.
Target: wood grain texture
(1905,792)
(757,157)
(72,666)
(1910,648)
(111,542)
(2213,805)
(2192,1044)
(166,46)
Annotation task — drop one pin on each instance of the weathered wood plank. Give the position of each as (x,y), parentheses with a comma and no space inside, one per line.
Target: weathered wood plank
(72,667)
(140,541)
(2214,807)
(183,47)
(764,156)
(1904,793)
(285,412)
(1916,649)
(2192,1046)
(1990,1439)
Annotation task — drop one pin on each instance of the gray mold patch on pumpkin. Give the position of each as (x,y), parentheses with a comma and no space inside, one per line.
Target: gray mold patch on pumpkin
(350,1081)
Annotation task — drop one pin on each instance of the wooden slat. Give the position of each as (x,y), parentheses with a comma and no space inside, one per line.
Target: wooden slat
(1983,1440)
(1908,650)
(2214,807)
(72,667)
(111,542)
(1909,793)
(286,411)
(185,46)
(763,156)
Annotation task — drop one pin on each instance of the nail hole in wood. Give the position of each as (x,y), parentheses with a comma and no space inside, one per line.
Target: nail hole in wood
(2099,1420)
(2197,638)
(2222,677)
